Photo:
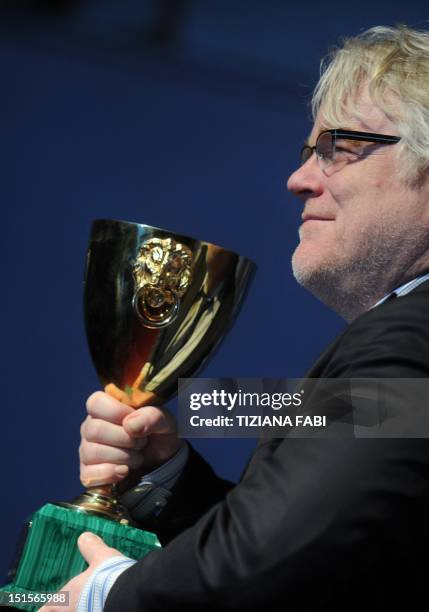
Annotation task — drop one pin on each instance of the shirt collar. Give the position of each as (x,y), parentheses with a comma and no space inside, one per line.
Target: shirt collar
(404,289)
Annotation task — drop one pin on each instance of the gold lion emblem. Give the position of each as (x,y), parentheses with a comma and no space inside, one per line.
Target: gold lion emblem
(162,274)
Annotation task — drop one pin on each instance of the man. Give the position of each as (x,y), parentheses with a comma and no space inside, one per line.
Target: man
(314,523)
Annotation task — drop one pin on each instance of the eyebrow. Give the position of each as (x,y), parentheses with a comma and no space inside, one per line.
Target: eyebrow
(366,126)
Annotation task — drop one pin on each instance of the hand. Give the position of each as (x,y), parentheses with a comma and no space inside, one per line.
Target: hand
(119,442)
(94,551)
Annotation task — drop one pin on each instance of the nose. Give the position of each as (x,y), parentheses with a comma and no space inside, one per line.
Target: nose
(307,180)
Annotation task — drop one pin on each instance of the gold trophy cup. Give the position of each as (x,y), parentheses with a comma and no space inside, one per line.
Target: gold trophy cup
(157,304)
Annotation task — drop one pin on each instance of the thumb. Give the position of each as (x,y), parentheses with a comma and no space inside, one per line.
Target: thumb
(93,549)
(149,420)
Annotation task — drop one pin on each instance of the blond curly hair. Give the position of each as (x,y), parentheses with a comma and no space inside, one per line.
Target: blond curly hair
(393,63)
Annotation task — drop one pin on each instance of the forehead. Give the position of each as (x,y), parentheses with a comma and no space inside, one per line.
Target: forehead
(360,114)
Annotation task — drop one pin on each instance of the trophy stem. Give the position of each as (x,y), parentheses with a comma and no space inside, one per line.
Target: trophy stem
(101,501)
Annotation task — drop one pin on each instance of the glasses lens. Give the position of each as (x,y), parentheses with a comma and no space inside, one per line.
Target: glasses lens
(325,149)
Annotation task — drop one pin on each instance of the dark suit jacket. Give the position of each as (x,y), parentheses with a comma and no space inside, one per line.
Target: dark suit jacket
(314,524)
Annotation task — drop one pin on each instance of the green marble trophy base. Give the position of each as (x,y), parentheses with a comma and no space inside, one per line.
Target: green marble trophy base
(50,556)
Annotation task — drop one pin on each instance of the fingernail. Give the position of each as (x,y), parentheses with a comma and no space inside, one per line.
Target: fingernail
(121,470)
(134,425)
(88,535)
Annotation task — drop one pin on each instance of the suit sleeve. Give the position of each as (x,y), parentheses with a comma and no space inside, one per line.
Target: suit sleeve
(196,491)
(313,521)
(312,512)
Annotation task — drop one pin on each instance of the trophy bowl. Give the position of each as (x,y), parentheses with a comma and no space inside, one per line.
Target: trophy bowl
(156,305)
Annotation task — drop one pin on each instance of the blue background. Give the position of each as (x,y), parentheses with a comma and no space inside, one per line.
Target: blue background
(189,121)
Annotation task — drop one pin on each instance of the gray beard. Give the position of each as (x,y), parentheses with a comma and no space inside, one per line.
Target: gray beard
(383,263)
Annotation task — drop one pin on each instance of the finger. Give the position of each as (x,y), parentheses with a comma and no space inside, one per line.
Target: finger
(103,432)
(103,406)
(93,549)
(91,453)
(149,420)
(102,474)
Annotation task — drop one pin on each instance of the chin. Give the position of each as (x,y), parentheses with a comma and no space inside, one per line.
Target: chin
(320,275)
(306,265)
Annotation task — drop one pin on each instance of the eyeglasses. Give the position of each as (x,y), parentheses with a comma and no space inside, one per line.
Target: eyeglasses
(340,147)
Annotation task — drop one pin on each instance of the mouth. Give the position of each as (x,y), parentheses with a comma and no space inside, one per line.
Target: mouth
(306,217)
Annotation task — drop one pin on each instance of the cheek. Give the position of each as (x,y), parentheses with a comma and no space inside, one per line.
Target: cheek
(357,207)
(319,236)
(380,182)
